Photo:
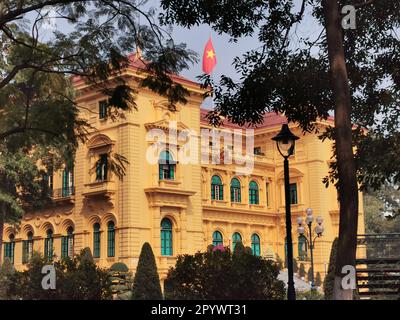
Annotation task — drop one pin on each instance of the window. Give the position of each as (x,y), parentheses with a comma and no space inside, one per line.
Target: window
(235,191)
(302,248)
(102,168)
(217,238)
(9,248)
(267,193)
(111,239)
(255,245)
(96,240)
(67,182)
(102,109)
(166,237)
(27,248)
(166,165)
(253,193)
(293,193)
(217,189)
(236,237)
(258,152)
(48,245)
(67,244)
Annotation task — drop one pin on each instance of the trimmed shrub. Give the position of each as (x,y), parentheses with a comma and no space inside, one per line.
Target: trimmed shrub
(119,266)
(146,285)
(318,281)
(302,271)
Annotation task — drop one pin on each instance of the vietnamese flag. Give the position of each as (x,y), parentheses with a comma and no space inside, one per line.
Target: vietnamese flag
(209,57)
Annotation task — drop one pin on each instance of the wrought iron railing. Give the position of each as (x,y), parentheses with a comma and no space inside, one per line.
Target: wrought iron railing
(377,246)
(63,192)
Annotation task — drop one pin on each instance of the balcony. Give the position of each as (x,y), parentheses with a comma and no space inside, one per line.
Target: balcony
(63,194)
(100,189)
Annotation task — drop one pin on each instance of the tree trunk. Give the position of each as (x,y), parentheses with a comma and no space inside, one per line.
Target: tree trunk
(348,189)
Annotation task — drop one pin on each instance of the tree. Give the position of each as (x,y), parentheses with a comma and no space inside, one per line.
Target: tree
(330,277)
(218,274)
(146,284)
(302,271)
(309,274)
(6,275)
(40,123)
(318,280)
(352,73)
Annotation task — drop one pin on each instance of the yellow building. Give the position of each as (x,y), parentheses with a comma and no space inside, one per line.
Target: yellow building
(177,207)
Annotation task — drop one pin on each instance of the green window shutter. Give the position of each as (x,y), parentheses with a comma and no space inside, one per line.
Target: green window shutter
(64,247)
(111,240)
(171,171)
(25,252)
(166,238)
(213,192)
(96,241)
(221,192)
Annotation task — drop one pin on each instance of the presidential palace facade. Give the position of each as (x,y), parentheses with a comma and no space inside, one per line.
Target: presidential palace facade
(178,206)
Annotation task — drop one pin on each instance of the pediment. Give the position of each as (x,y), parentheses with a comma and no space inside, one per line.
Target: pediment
(167,125)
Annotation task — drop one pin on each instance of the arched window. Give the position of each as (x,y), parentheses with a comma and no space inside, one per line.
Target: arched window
(111,239)
(302,248)
(255,245)
(67,182)
(217,238)
(166,166)
(236,237)
(9,248)
(166,237)
(27,248)
(235,191)
(48,245)
(217,189)
(67,244)
(96,240)
(253,193)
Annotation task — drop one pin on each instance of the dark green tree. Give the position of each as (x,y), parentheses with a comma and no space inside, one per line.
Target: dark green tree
(352,73)
(318,281)
(217,274)
(146,284)
(40,123)
(7,272)
(309,274)
(302,271)
(76,279)
(330,277)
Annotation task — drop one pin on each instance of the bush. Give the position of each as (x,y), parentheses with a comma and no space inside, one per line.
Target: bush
(219,274)
(309,295)
(6,278)
(76,279)
(330,277)
(146,285)
(302,271)
(119,266)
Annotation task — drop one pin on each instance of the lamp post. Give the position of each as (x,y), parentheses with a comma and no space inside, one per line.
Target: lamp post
(285,141)
(310,239)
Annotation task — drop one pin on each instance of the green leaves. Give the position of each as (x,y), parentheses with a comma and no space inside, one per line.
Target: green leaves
(219,274)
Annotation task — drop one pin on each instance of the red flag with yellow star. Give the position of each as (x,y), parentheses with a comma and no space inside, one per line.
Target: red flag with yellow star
(209,57)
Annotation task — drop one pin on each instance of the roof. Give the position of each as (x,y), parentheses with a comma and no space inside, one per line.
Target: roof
(138,64)
(271,119)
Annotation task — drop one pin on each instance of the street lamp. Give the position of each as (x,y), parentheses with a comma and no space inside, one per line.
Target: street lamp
(285,141)
(311,237)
